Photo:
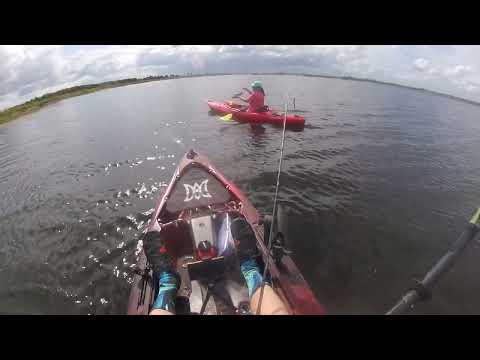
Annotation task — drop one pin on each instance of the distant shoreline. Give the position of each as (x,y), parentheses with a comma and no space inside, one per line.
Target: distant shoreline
(352,78)
(38,103)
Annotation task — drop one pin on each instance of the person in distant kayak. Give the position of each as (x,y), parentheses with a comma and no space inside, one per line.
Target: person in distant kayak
(256,100)
(169,280)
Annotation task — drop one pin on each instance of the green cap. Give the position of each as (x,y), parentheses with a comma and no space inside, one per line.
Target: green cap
(256,84)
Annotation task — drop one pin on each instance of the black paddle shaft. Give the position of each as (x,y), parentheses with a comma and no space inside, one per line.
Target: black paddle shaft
(424,288)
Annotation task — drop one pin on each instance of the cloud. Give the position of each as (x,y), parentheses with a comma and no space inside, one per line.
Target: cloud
(29,71)
(421,64)
(471,87)
(458,70)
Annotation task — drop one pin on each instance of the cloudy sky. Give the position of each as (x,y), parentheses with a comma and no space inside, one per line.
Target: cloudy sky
(29,71)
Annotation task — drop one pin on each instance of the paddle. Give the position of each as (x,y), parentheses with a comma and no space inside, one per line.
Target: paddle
(227,117)
(237,95)
(276,111)
(423,289)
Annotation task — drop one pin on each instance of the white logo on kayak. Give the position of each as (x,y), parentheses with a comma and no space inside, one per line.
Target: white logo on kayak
(196,191)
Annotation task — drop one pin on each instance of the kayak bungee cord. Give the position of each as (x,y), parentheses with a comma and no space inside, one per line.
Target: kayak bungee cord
(269,246)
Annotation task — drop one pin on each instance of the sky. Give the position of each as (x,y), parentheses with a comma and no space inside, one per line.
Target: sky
(27,71)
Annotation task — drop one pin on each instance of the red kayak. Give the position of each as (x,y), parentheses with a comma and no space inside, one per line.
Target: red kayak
(197,208)
(267,117)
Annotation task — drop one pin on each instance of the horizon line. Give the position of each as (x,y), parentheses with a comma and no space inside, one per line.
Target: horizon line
(188,74)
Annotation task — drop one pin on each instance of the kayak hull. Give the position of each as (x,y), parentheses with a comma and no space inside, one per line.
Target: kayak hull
(255,118)
(221,197)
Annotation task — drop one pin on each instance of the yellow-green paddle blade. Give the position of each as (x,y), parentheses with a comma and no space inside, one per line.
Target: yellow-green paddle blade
(227,117)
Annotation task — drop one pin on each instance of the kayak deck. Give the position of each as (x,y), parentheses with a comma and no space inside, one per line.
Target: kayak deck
(198,205)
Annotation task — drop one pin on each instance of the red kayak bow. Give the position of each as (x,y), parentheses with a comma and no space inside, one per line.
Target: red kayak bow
(199,194)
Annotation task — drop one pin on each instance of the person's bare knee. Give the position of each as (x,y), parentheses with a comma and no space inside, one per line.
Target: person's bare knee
(271,302)
(160,312)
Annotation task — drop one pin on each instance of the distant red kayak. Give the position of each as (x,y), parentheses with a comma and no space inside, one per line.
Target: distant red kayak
(268,117)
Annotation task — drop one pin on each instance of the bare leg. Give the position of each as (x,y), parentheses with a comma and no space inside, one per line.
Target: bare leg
(245,241)
(160,312)
(271,302)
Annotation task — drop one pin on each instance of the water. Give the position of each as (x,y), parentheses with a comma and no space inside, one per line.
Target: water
(378,184)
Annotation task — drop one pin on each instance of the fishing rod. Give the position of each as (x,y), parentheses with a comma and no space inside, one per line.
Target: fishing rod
(423,289)
(270,237)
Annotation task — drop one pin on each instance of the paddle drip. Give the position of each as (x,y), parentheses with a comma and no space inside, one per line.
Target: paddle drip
(270,237)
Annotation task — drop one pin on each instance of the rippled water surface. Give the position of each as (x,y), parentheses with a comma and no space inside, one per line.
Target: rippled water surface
(377,185)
